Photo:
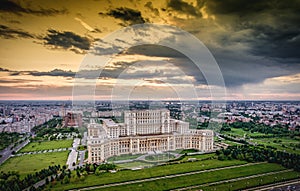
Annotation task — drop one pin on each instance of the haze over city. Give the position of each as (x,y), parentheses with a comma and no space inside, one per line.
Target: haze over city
(255,43)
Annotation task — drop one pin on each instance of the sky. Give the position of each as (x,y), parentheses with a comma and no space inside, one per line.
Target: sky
(44,45)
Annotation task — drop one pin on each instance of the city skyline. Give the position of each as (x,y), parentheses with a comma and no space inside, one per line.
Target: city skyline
(254,43)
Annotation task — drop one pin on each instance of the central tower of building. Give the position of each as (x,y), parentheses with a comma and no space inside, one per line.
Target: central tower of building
(146,122)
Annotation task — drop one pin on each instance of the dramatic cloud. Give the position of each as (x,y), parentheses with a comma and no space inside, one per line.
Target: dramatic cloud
(255,43)
(4,70)
(149,5)
(155,51)
(176,58)
(183,7)
(251,41)
(9,33)
(126,15)
(273,26)
(67,40)
(12,7)
(55,72)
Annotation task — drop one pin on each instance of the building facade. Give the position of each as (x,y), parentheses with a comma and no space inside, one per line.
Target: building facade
(144,131)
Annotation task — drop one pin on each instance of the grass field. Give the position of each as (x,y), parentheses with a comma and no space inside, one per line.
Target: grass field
(196,179)
(283,141)
(252,182)
(199,157)
(239,132)
(47,145)
(27,164)
(127,175)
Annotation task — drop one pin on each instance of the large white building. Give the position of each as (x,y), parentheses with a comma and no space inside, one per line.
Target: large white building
(144,131)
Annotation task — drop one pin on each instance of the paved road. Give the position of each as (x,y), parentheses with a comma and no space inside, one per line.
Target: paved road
(81,157)
(72,158)
(84,139)
(164,177)
(7,152)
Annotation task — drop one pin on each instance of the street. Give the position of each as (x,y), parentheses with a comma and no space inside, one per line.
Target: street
(7,152)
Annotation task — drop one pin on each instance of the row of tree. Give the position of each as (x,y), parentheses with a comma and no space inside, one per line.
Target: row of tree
(11,181)
(262,128)
(259,154)
(8,138)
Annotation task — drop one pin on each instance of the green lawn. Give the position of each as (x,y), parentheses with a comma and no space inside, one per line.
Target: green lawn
(284,141)
(239,132)
(252,182)
(46,145)
(27,164)
(196,179)
(200,157)
(127,175)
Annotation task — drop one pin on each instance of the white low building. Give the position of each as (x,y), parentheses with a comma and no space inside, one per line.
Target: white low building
(144,131)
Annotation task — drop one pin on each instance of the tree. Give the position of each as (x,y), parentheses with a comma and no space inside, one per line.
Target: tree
(47,181)
(97,172)
(92,168)
(66,180)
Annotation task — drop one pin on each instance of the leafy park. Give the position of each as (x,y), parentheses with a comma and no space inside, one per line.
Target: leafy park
(7,139)
(47,145)
(278,137)
(28,164)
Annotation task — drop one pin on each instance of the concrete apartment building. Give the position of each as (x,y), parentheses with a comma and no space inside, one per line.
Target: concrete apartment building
(144,131)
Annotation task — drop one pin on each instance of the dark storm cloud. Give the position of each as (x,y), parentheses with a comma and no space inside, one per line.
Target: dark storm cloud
(154,50)
(9,33)
(275,25)
(251,40)
(4,70)
(55,72)
(239,69)
(245,7)
(127,15)
(183,7)
(281,43)
(66,40)
(176,58)
(12,7)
